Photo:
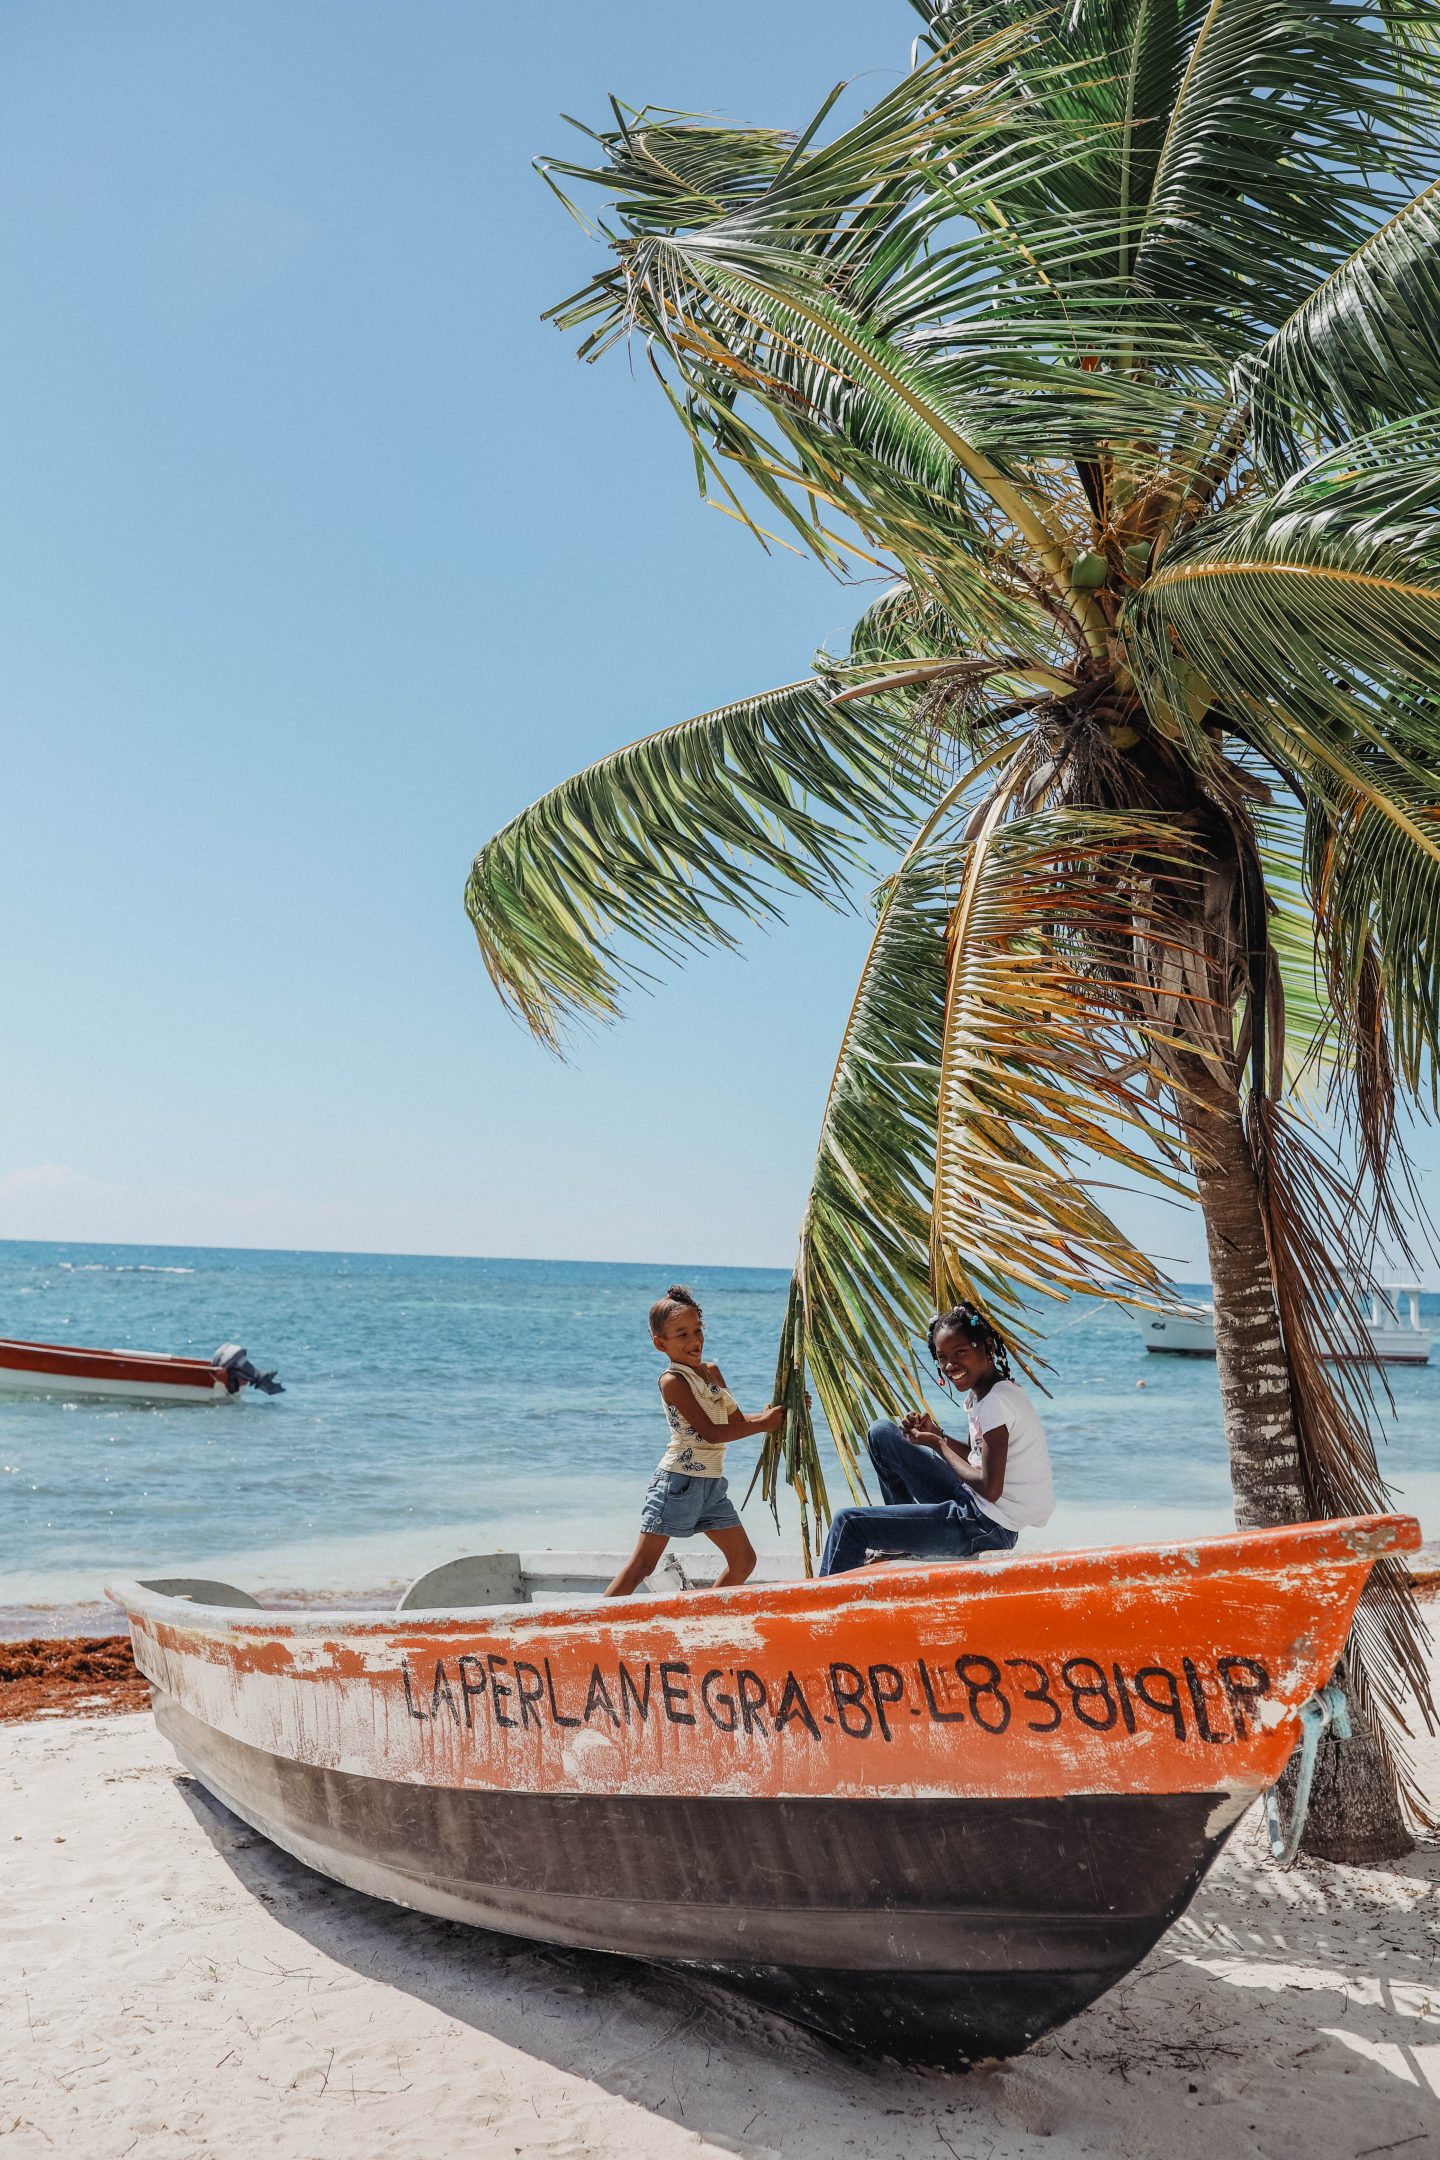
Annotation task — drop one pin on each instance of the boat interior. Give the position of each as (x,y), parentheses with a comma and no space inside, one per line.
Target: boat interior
(481,1580)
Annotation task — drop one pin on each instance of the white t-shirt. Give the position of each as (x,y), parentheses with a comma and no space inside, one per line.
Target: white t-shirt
(1028,1497)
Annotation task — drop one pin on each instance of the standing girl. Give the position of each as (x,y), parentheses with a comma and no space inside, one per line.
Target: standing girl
(689,1492)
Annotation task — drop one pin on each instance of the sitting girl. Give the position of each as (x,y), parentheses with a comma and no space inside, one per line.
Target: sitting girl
(946,1499)
(689,1492)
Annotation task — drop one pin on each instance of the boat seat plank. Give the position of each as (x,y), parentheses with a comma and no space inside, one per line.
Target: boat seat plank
(558,1574)
(474,1581)
(200,1590)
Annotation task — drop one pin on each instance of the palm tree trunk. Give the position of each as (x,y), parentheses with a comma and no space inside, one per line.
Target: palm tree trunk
(1259,1414)
(1355,1811)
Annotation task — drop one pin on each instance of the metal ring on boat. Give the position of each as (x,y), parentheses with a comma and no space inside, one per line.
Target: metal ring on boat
(1326,1712)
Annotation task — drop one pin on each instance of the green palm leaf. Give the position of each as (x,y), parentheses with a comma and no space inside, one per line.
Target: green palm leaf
(1376,895)
(781,341)
(1238,150)
(1297,126)
(1309,1055)
(1362,349)
(662,841)
(1316,612)
(947,138)
(1117,104)
(1322,596)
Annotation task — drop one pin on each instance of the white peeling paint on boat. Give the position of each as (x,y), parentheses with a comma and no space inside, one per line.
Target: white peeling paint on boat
(353,1692)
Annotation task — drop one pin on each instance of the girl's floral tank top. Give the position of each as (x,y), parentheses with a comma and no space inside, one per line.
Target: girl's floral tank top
(688,1453)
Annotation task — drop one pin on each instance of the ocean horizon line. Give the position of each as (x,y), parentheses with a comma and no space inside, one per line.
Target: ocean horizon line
(377,1252)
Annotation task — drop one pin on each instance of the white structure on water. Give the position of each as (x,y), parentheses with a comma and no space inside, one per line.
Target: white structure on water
(1394,1328)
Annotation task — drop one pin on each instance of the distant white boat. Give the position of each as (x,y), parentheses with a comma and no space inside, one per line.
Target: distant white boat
(1393,1327)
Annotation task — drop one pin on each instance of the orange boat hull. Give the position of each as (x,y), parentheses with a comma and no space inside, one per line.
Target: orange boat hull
(930,1810)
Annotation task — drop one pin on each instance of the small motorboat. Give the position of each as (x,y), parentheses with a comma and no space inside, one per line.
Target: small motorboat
(929,1810)
(1393,1326)
(1179,1330)
(32,1368)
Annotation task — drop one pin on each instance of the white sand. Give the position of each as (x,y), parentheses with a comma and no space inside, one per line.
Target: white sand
(170,1984)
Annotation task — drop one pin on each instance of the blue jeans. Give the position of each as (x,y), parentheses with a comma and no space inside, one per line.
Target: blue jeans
(929,1512)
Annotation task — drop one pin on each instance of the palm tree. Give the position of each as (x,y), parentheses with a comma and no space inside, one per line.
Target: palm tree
(1109,340)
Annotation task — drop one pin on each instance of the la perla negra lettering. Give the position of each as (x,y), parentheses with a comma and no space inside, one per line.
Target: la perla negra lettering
(1207,1703)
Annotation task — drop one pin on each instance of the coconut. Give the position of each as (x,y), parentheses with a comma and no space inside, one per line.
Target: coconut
(1089,572)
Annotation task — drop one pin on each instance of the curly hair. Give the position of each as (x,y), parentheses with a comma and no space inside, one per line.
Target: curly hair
(677,1299)
(969,1321)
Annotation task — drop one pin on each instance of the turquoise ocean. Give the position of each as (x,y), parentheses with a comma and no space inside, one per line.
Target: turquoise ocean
(441,1406)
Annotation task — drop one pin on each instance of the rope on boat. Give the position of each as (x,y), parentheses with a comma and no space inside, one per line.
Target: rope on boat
(1326,1712)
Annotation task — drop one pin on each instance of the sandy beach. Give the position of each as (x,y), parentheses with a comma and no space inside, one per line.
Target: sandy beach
(174,1985)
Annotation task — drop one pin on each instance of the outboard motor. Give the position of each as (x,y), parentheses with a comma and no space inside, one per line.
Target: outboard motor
(239,1372)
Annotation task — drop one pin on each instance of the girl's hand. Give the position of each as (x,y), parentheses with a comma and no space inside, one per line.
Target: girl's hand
(772,1419)
(920,1426)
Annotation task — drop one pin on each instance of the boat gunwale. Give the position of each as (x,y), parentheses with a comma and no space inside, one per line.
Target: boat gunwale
(1345,1541)
(73,1352)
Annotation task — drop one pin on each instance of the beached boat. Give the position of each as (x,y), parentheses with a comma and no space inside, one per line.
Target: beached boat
(929,1810)
(1393,1326)
(31,1368)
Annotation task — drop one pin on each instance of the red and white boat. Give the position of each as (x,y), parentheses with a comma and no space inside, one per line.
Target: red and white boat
(67,1369)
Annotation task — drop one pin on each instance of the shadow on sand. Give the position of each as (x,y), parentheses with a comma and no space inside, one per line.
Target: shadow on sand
(1274,2020)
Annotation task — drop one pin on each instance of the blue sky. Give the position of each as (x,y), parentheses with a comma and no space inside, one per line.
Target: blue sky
(322,556)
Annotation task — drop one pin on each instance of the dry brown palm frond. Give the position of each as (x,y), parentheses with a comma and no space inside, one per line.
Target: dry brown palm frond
(1307,1198)
(1043,1062)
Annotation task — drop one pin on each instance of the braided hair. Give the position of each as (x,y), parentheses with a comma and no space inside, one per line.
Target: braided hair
(969,1321)
(677,1299)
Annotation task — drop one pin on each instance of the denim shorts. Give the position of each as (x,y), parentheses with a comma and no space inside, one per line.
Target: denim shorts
(680,1506)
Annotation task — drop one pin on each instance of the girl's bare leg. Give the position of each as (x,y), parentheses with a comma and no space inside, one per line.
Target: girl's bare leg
(642,1562)
(739,1557)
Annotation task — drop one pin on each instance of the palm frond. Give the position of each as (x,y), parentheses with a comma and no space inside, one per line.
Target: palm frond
(902,625)
(791,345)
(1315,614)
(901,494)
(1044,1068)
(1298,125)
(859,1290)
(1339,1052)
(779,299)
(1134,55)
(1328,587)
(1373,870)
(1236,149)
(948,137)
(1308,1054)
(907,645)
(1307,1197)
(1361,350)
(668,841)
